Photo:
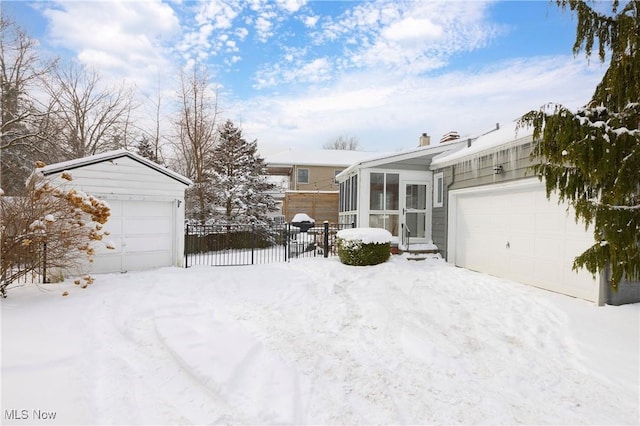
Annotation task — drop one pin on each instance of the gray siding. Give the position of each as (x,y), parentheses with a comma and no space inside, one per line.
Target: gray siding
(627,292)
(439,215)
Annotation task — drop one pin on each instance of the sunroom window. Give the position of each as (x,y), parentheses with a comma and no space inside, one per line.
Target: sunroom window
(384,196)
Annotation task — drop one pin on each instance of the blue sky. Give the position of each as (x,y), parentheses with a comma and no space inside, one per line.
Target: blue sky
(297,74)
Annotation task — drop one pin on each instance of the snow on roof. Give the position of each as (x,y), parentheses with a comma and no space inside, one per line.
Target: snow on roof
(320,157)
(503,137)
(106,156)
(400,156)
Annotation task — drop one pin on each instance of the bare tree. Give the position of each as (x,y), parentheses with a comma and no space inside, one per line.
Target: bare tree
(196,139)
(87,117)
(21,73)
(150,143)
(343,142)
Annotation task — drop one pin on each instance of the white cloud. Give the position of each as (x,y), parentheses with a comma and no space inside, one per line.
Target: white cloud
(124,39)
(411,29)
(241,33)
(264,26)
(310,21)
(291,6)
(387,113)
(219,14)
(404,38)
(314,71)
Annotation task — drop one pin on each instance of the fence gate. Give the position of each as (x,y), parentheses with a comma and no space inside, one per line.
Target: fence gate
(237,244)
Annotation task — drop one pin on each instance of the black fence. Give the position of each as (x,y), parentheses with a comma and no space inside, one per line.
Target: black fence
(235,244)
(26,264)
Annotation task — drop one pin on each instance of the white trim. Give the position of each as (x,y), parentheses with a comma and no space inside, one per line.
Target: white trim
(438,187)
(428,238)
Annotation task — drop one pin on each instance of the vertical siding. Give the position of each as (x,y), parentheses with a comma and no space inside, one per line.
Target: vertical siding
(320,206)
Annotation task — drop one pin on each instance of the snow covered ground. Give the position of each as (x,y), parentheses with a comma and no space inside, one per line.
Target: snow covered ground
(315,342)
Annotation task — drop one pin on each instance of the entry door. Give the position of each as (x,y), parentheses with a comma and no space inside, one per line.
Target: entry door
(416,210)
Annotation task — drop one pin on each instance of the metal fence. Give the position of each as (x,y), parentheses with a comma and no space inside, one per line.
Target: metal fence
(26,264)
(237,244)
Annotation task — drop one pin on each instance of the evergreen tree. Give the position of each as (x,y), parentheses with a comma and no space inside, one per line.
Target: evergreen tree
(591,158)
(145,148)
(242,191)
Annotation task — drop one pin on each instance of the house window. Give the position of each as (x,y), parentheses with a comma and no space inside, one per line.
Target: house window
(384,191)
(336,173)
(438,189)
(384,199)
(353,205)
(349,194)
(303,175)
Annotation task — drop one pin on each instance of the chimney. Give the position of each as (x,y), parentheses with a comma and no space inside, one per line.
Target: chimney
(425,140)
(450,136)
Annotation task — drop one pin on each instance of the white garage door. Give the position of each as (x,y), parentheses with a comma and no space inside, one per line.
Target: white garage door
(142,232)
(514,232)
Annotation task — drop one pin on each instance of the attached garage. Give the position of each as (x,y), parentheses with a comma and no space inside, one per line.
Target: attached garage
(512,230)
(146,200)
(491,214)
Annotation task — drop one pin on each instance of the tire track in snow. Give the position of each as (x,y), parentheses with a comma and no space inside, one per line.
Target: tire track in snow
(141,372)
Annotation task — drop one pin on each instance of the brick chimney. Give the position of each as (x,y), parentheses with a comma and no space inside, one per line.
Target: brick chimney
(450,136)
(424,140)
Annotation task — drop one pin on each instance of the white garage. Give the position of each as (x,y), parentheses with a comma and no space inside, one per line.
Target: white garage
(512,230)
(146,200)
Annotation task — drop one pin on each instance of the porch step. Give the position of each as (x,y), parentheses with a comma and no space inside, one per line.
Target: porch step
(419,251)
(416,257)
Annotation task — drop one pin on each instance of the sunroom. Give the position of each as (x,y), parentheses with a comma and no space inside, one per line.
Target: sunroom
(393,192)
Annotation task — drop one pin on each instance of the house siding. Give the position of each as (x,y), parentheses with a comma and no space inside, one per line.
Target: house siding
(122,177)
(321,178)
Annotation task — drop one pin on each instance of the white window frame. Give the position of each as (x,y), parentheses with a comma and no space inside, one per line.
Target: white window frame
(438,189)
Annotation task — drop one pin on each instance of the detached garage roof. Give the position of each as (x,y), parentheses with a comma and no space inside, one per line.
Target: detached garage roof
(109,156)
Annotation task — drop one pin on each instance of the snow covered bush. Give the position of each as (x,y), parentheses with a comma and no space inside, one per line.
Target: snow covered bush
(363,246)
(48,225)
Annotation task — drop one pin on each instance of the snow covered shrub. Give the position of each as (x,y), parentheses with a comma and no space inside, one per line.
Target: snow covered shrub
(61,224)
(363,246)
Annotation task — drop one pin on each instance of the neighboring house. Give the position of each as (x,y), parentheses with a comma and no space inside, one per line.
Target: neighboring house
(309,180)
(147,208)
(484,210)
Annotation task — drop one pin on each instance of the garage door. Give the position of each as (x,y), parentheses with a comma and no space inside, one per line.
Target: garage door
(514,232)
(142,232)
